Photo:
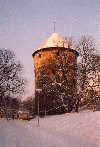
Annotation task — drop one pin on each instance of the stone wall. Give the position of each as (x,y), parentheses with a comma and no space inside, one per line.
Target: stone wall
(50,61)
(55,73)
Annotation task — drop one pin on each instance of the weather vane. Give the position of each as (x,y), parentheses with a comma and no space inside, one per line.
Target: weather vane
(54,25)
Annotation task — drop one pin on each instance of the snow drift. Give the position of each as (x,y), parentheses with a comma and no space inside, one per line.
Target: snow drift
(67,130)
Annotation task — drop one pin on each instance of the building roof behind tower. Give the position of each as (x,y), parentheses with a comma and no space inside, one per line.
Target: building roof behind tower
(54,41)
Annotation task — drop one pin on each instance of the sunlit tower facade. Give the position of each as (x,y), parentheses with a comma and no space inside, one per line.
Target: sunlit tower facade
(55,67)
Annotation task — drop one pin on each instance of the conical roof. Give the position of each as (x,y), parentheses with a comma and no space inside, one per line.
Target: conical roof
(53,41)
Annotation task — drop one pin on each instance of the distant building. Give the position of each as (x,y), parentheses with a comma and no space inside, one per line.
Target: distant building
(22,115)
(2,113)
(55,66)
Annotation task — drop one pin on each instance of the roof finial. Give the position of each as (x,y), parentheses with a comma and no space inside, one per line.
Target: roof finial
(54,25)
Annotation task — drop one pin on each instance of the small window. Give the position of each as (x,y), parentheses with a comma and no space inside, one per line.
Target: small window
(53,71)
(39,55)
(59,67)
(58,78)
(57,53)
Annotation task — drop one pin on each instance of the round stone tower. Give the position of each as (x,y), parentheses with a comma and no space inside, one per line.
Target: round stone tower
(55,67)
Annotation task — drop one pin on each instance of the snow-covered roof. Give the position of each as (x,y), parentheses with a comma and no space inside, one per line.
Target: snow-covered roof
(53,41)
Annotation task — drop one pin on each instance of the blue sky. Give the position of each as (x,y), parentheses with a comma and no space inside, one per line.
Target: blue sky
(26,24)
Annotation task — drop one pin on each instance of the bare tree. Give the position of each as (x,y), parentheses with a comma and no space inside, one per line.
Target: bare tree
(10,106)
(88,66)
(11,80)
(29,105)
(70,41)
(12,83)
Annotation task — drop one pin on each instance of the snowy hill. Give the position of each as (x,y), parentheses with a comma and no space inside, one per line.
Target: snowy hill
(67,130)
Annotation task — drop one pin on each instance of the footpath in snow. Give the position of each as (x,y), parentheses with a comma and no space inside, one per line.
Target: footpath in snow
(67,130)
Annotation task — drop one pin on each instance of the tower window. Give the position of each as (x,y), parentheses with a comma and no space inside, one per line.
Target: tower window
(39,55)
(57,53)
(58,78)
(53,71)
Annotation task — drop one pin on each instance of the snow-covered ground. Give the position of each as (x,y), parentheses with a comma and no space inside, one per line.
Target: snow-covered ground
(67,130)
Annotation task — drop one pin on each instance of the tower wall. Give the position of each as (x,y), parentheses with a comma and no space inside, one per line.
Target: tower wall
(55,64)
(47,59)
